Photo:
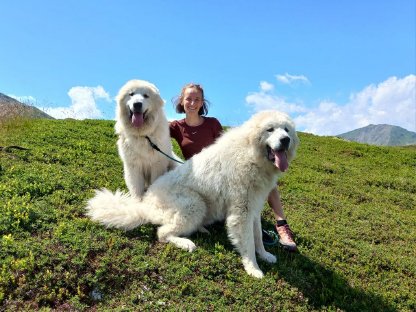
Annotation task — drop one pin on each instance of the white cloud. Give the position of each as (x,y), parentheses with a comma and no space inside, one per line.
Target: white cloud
(392,101)
(84,104)
(289,79)
(265,86)
(25,99)
(265,99)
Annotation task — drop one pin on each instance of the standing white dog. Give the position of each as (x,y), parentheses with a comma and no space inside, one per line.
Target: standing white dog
(229,181)
(140,117)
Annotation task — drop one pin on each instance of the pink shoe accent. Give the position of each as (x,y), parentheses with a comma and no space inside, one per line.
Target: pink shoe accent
(286,237)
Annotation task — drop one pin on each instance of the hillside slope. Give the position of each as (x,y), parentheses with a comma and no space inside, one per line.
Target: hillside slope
(387,135)
(11,108)
(351,206)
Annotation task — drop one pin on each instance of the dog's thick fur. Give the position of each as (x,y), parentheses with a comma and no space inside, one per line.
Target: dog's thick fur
(139,114)
(229,180)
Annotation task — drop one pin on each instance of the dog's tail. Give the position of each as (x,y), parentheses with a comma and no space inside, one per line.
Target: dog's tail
(119,210)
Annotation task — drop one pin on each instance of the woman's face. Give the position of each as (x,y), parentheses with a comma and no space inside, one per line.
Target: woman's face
(192,100)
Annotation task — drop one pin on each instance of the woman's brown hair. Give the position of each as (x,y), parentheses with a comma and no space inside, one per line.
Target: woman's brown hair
(179,99)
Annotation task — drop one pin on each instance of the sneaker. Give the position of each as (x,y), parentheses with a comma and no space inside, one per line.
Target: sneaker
(269,238)
(286,237)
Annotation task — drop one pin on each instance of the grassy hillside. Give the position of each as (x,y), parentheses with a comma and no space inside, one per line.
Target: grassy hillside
(352,207)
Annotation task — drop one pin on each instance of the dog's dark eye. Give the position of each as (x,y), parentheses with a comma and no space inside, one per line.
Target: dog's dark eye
(145,96)
(287,130)
(131,93)
(270,130)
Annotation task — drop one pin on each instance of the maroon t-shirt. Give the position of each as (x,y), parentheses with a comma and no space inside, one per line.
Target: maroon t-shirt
(192,140)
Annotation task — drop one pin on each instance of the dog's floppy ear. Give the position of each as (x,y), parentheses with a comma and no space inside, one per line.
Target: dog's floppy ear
(294,145)
(155,90)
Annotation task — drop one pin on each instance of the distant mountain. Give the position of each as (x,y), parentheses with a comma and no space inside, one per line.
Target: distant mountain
(381,135)
(10,108)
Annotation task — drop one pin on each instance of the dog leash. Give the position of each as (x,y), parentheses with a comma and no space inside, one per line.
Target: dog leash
(154,146)
(8,148)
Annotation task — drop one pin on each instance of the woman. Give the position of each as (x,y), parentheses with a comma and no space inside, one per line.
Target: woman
(197,131)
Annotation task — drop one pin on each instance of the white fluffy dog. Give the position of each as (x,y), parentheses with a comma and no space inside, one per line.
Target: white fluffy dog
(229,180)
(140,116)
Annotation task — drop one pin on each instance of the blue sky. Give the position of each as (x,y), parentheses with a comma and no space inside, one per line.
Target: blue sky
(334,66)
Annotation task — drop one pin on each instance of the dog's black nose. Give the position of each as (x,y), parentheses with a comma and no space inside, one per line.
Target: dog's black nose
(285,142)
(137,107)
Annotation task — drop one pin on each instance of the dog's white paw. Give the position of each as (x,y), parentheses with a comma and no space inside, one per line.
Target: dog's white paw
(255,272)
(203,230)
(191,246)
(183,243)
(252,268)
(268,257)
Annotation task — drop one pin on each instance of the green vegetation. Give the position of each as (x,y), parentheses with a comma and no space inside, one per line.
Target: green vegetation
(351,206)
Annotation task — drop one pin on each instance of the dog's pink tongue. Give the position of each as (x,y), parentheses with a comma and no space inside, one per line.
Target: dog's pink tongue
(280,161)
(137,120)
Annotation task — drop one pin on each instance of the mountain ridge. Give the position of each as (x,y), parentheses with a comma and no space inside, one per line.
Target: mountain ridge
(381,134)
(12,108)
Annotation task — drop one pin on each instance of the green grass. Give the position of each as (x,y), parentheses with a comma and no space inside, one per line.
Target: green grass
(351,206)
